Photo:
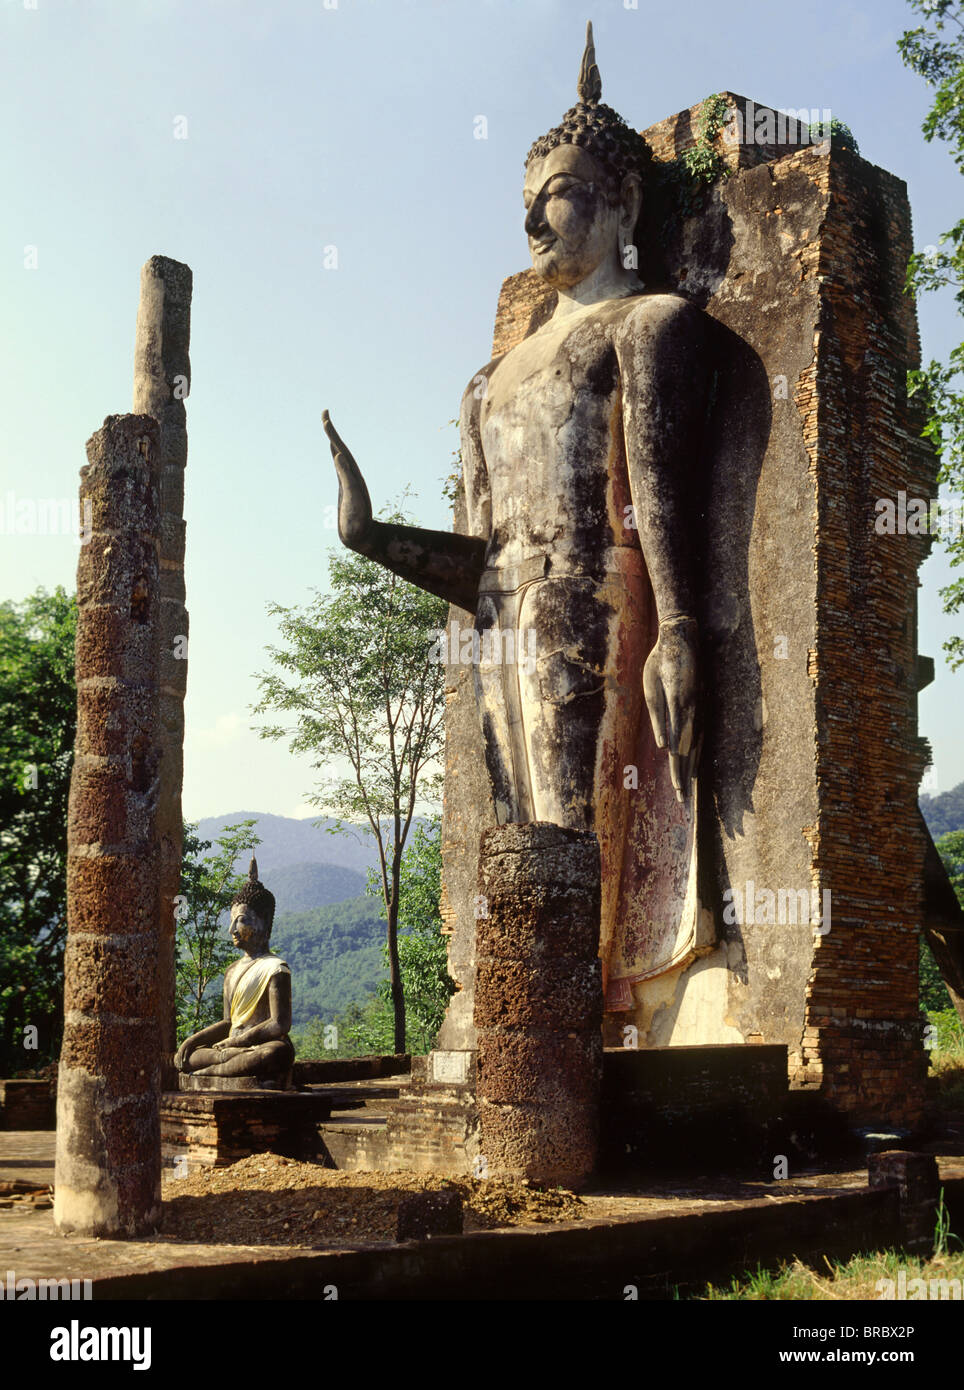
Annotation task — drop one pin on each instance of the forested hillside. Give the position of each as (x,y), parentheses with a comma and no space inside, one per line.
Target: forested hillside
(301,887)
(286,840)
(945,812)
(335,956)
(304,865)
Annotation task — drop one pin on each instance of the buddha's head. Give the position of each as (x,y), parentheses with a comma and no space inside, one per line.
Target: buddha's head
(584,186)
(252,914)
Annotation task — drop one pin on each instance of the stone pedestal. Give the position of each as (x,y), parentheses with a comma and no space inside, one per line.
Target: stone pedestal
(916,1178)
(538,1003)
(208,1129)
(230,1084)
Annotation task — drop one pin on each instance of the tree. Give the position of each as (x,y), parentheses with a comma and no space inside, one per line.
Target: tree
(367,1029)
(203,953)
(951,849)
(933,992)
(422,953)
(422,947)
(38,718)
(359,676)
(944,812)
(936,53)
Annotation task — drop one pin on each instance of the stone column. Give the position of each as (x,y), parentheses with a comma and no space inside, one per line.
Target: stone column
(538,1003)
(108,1169)
(162,375)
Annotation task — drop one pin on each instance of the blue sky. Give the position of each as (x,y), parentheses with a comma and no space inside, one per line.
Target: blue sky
(349,125)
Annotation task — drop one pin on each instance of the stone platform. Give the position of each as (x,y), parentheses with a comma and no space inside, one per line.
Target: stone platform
(26,1105)
(664,1109)
(375,1067)
(432,1127)
(656,1237)
(215,1128)
(673,1108)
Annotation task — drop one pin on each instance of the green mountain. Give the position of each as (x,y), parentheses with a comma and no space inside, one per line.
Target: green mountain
(945,812)
(335,956)
(301,887)
(304,865)
(286,840)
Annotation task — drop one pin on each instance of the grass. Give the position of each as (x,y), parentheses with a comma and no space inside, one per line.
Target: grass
(856,1278)
(852,1279)
(945,1081)
(948,1035)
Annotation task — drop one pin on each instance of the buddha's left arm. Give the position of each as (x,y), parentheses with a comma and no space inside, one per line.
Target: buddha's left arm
(664,369)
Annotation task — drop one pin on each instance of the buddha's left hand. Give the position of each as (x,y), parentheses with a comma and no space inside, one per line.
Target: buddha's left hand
(671,688)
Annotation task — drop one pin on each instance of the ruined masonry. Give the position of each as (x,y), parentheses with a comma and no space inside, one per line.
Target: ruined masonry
(162,376)
(124,824)
(812,761)
(538,1003)
(108,1168)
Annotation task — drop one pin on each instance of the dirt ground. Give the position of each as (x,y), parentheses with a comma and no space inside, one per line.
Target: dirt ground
(269,1200)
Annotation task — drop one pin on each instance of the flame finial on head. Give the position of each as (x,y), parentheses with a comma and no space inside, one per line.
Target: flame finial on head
(599,130)
(589,86)
(256,896)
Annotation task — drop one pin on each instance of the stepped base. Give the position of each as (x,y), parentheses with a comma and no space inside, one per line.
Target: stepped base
(231,1085)
(432,1128)
(667,1109)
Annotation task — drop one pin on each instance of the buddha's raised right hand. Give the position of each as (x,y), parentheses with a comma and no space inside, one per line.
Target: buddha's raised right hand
(354,504)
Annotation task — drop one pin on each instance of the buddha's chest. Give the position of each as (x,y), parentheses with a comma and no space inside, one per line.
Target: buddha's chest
(553,408)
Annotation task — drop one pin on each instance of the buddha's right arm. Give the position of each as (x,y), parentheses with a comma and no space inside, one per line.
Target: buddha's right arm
(448,564)
(214,1032)
(444,563)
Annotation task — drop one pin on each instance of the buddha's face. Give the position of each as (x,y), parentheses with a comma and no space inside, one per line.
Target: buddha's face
(247,929)
(571,227)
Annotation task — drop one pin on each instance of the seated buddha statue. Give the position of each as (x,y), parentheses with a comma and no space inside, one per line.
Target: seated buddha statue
(252,1037)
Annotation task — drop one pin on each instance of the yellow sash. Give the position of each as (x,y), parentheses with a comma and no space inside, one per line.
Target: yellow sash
(251,986)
